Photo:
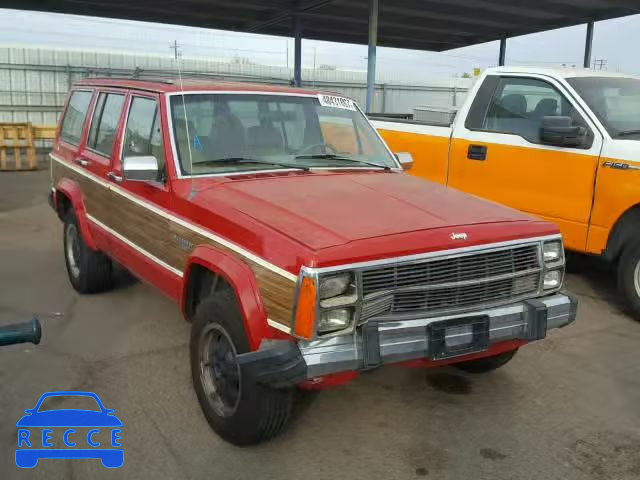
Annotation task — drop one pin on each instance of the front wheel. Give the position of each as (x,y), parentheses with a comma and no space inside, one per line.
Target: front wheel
(487,364)
(240,410)
(629,278)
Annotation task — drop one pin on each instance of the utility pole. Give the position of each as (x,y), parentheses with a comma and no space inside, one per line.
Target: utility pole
(175,47)
(314,67)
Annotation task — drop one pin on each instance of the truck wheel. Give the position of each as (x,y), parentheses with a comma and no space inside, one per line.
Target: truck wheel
(238,409)
(89,271)
(629,278)
(487,364)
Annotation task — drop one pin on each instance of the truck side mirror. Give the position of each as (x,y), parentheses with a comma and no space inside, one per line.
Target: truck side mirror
(560,132)
(405,159)
(142,168)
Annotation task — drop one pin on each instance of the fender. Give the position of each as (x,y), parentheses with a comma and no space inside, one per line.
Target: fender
(625,229)
(73,192)
(243,281)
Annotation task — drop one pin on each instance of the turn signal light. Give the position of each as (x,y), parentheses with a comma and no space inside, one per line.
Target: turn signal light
(306,309)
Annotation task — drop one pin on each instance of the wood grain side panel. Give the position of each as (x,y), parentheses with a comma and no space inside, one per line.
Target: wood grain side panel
(96,197)
(276,291)
(171,242)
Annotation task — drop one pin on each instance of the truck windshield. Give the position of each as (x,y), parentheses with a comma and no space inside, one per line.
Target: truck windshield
(227,133)
(615,101)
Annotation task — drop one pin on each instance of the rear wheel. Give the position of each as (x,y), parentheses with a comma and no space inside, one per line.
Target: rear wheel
(240,410)
(488,364)
(629,278)
(89,271)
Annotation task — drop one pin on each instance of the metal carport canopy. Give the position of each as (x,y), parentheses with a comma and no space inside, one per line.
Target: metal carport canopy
(434,25)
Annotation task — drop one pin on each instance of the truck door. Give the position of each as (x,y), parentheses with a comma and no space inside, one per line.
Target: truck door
(97,156)
(138,206)
(496,153)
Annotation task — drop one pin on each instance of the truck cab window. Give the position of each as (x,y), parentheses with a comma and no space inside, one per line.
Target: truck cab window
(104,124)
(519,105)
(75,116)
(143,133)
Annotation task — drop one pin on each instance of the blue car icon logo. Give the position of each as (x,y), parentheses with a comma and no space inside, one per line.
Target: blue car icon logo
(69,433)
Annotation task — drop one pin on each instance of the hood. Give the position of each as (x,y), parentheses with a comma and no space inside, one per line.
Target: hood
(326,209)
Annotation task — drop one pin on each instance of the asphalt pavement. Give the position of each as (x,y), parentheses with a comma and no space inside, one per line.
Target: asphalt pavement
(565,408)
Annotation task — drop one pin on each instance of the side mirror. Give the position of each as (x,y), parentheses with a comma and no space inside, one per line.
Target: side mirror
(405,159)
(560,132)
(141,169)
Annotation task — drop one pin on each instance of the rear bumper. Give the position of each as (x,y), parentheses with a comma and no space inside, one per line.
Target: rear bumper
(281,363)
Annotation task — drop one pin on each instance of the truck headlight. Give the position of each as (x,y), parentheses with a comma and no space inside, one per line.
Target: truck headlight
(335,320)
(552,279)
(334,285)
(326,304)
(552,251)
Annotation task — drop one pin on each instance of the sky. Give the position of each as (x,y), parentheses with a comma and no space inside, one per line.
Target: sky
(614,41)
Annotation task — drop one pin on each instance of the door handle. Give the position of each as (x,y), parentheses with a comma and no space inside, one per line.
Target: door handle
(114,177)
(477,152)
(82,162)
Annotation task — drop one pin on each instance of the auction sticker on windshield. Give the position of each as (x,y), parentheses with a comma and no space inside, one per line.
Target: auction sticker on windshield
(336,102)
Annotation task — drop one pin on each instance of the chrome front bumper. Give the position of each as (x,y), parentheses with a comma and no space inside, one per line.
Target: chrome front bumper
(280,363)
(399,341)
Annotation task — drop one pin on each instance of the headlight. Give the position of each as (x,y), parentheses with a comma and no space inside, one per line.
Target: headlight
(326,305)
(552,279)
(552,251)
(334,285)
(334,320)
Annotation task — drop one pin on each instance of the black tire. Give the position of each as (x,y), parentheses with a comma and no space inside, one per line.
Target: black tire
(253,412)
(487,364)
(629,278)
(89,271)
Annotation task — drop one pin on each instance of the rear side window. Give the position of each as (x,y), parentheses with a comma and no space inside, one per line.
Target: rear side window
(104,124)
(75,116)
(143,134)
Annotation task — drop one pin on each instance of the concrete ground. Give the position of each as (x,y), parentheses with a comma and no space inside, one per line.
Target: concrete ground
(565,408)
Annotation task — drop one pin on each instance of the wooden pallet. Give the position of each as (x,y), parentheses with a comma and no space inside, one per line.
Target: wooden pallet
(17,147)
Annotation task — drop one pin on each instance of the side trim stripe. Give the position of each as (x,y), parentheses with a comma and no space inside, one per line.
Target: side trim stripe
(201,231)
(278,326)
(175,271)
(139,249)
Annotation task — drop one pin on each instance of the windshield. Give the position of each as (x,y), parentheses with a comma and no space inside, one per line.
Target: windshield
(226,133)
(615,101)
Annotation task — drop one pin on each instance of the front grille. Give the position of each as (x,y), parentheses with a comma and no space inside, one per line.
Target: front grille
(442,284)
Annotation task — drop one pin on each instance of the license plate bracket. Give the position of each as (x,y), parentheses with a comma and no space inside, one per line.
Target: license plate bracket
(457,337)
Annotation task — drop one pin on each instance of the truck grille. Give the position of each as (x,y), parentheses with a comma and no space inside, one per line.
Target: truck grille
(452,283)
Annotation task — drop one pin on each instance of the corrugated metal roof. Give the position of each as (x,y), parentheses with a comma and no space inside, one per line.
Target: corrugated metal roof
(417,24)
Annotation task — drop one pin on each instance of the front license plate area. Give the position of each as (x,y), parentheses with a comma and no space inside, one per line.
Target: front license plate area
(456,337)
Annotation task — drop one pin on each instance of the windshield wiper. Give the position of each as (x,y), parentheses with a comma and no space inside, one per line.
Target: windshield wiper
(626,133)
(236,160)
(332,156)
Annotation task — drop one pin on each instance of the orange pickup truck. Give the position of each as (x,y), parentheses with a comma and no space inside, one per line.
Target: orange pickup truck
(562,144)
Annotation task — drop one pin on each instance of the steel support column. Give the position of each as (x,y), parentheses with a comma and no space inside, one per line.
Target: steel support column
(588,44)
(371,57)
(297,49)
(503,51)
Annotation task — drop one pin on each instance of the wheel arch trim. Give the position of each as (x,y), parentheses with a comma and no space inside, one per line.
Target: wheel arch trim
(71,190)
(242,280)
(622,231)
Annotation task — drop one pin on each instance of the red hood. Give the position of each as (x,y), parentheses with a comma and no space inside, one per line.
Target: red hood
(327,209)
